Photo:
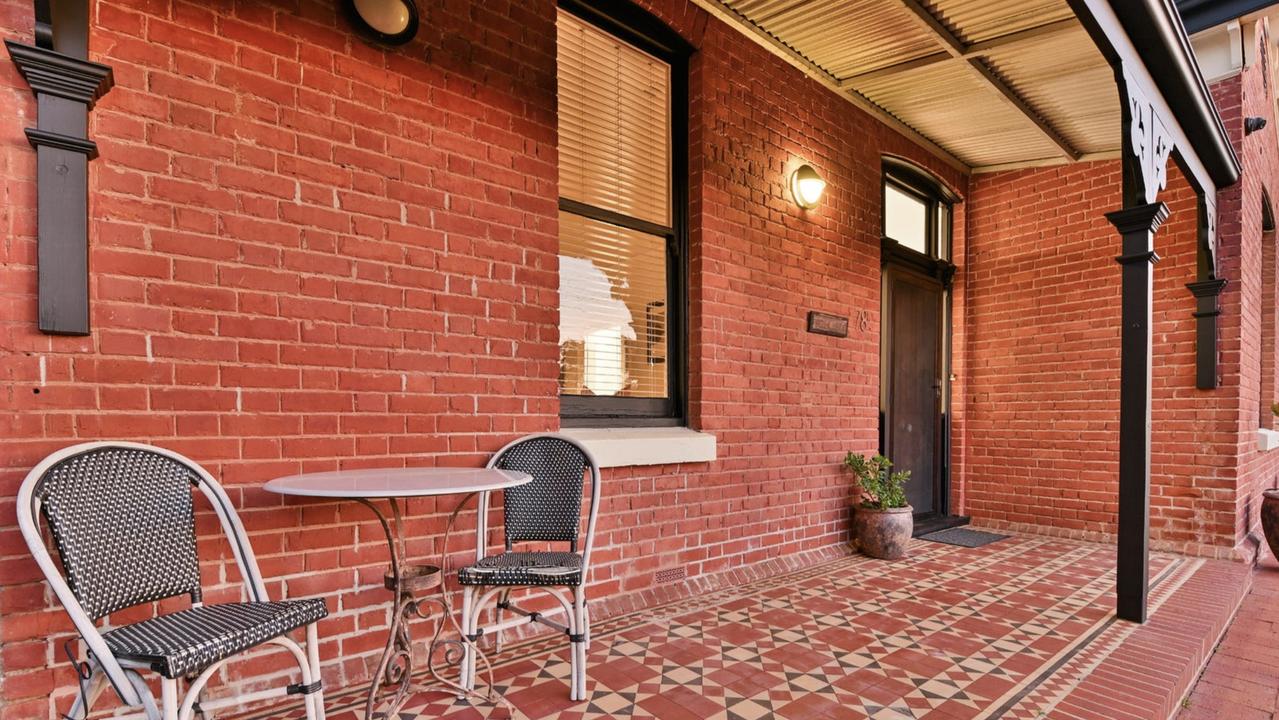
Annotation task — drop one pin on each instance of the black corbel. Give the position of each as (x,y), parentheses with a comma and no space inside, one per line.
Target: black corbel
(1207,289)
(66,85)
(1206,294)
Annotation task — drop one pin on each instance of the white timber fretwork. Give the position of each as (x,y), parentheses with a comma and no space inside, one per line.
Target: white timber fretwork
(1150,139)
(1210,207)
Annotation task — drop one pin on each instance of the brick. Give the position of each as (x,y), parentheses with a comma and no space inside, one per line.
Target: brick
(310,252)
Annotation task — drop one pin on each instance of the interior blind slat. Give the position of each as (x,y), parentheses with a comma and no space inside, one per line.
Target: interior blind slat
(614,109)
(613,338)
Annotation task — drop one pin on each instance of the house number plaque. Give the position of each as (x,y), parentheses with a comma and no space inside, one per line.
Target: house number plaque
(827,324)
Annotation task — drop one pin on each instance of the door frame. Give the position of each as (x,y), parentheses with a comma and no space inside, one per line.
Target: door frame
(917,267)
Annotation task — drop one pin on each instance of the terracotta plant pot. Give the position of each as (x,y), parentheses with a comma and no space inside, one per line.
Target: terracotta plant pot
(883,534)
(1270,519)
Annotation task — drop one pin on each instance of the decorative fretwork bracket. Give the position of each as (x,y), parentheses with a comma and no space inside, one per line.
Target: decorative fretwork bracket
(1208,228)
(66,85)
(1148,147)
(1149,141)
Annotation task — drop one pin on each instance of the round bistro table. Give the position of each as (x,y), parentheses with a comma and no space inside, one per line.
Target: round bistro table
(409,583)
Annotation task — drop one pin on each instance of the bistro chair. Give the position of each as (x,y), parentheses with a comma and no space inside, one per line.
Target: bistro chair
(546,510)
(123,524)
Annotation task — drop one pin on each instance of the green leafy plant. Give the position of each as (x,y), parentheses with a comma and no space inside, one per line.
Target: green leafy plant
(881,488)
(1274,408)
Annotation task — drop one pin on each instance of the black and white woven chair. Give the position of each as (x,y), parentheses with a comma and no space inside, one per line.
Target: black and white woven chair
(546,510)
(123,523)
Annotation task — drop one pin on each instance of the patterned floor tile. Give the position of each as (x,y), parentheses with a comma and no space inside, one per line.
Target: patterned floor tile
(948,633)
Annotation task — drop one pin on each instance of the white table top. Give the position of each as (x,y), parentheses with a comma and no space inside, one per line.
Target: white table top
(397,482)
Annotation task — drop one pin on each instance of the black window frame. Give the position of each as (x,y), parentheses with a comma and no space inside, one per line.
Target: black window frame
(637,27)
(933,194)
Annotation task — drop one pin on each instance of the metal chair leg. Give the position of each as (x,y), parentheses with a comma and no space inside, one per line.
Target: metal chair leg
(90,690)
(497,619)
(315,700)
(577,648)
(143,691)
(468,629)
(169,698)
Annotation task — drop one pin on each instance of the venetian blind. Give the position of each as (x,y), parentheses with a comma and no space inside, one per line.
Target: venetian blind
(612,310)
(614,123)
(614,155)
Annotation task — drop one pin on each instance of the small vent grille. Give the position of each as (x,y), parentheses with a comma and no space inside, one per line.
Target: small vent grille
(670,575)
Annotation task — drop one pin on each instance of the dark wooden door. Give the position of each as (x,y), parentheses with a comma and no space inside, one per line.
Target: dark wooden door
(914,376)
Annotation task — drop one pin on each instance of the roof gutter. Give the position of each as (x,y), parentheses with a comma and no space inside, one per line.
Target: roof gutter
(1202,14)
(1155,29)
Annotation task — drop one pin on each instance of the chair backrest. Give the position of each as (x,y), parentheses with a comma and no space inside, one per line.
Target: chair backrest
(549,508)
(123,523)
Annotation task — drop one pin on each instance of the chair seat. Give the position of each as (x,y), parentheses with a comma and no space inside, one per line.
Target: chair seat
(524,568)
(188,641)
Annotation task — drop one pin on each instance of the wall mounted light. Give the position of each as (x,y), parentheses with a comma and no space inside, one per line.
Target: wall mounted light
(807,186)
(390,22)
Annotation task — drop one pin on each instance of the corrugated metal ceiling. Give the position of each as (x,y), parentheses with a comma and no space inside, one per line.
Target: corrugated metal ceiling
(992,82)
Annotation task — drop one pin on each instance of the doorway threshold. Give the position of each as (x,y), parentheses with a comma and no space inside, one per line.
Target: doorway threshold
(932,522)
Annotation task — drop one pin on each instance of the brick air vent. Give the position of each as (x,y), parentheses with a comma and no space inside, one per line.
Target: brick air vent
(670,575)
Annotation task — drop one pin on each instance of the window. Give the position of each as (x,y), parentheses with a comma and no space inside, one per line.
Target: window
(917,211)
(622,166)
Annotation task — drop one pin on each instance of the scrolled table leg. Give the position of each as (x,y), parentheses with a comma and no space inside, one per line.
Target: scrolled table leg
(395,670)
(455,649)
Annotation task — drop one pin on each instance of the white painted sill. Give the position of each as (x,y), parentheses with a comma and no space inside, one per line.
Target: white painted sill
(1267,440)
(626,447)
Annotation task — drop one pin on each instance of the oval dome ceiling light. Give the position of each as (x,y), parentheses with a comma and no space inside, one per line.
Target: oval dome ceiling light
(807,186)
(390,22)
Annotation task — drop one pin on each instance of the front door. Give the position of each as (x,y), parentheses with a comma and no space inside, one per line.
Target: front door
(914,382)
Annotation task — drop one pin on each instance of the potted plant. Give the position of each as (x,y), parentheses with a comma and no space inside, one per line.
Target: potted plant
(882,519)
(1270,508)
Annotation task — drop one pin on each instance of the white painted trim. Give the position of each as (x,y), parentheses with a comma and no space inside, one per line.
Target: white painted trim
(1267,439)
(626,447)
(1235,31)
(1135,66)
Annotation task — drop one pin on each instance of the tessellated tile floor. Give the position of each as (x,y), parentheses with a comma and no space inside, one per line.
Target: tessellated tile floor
(1019,629)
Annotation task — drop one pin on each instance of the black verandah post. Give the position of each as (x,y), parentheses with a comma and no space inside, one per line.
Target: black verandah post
(1137,226)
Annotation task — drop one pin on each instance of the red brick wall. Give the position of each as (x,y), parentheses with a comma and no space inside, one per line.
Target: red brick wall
(309,253)
(1193,438)
(1038,319)
(1043,353)
(1249,95)
(1043,314)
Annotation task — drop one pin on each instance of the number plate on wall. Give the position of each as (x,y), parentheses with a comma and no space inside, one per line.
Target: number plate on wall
(827,324)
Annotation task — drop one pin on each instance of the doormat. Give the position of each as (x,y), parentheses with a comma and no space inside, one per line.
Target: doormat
(963,537)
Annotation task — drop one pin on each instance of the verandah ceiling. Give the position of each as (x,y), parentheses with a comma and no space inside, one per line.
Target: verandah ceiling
(989,82)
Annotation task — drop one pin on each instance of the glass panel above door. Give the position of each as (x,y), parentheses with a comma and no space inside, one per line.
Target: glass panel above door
(905,218)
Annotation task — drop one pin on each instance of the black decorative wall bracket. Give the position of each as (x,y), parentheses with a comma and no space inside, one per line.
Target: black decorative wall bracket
(1207,289)
(1207,293)
(66,89)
